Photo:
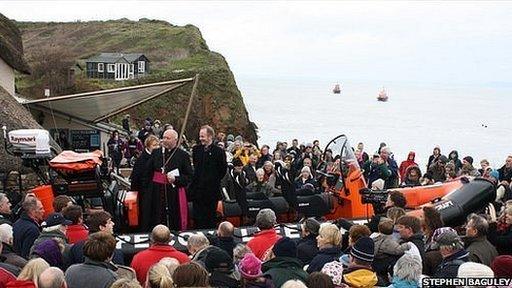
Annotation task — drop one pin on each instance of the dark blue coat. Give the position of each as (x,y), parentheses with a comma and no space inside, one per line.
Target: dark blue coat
(307,249)
(25,232)
(324,256)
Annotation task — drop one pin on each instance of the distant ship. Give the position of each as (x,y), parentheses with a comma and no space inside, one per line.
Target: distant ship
(383,96)
(337,89)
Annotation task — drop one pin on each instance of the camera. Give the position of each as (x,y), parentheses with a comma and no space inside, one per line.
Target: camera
(376,198)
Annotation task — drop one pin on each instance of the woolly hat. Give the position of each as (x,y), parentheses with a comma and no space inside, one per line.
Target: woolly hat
(472,270)
(363,249)
(502,266)
(446,237)
(469,159)
(334,270)
(216,258)
(495,174)
(230,137)
(49,250)
(285,247)
(250,266)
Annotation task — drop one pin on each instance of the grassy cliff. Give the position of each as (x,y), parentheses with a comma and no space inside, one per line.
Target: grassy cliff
(174,51)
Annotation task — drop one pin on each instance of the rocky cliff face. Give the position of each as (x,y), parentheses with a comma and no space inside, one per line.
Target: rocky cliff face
(174,51)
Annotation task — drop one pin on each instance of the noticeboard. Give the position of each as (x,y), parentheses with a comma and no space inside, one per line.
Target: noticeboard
(85,140)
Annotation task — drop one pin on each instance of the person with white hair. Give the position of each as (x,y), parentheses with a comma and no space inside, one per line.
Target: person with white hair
(169,169)
(11,257)
(407,271)
(5,210)
(260,186)
(267,237)
(197,245)
(52,277)
(54,227)
(306,180)
(387,157)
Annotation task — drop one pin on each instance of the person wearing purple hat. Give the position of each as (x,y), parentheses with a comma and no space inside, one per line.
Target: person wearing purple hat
(54,227)
(51,251)
(251,274)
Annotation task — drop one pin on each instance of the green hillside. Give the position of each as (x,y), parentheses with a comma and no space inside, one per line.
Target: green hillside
(174,51)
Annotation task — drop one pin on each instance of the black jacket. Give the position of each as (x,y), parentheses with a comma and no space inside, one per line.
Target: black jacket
(505,174)
(218,279)
(5,219)
(180,160)
(262,160)
(139,178)
(250,173)
(225,243)
(209,168)
(324,256)
(307,249)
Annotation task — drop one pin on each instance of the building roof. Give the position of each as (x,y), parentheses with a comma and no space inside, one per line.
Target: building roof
(11,45)
(93,107)
(115,57)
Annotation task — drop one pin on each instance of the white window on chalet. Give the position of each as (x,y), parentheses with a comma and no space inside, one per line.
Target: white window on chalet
(101,67)
(111,68)
(142,66)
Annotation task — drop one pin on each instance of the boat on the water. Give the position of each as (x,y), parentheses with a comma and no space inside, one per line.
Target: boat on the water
(337,89)
(383,95)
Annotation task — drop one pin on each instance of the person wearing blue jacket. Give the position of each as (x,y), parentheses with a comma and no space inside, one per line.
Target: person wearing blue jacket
(27,229)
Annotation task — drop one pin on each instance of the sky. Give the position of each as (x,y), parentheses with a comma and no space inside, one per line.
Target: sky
(421,41)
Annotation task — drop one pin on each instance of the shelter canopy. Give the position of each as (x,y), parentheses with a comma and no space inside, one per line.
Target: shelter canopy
(97,106)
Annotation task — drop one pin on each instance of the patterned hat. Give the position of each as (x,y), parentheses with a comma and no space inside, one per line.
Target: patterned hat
(363,249)
(334,270)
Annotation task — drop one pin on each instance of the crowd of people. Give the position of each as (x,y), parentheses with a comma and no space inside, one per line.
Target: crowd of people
(400,251)
(70,249)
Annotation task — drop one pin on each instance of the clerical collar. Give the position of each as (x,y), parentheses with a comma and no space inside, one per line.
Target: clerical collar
(208,147)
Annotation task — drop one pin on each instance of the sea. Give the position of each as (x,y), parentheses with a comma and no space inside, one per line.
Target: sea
(473,119)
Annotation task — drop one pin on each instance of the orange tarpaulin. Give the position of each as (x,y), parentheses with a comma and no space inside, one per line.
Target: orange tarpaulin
(72,161)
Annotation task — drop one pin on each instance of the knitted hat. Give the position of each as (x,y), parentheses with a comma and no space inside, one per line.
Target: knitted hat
(250,266)
(495,174)
(502,266)
(334,270)
(49,250)
(285,247)
(446,237)
(363,249)
(469,159)
(216,258)
(472,270)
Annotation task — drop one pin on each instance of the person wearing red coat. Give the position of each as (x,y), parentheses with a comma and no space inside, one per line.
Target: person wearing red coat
(6,276)
(77,231)
(406,164)
(160,237)
(267,237)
